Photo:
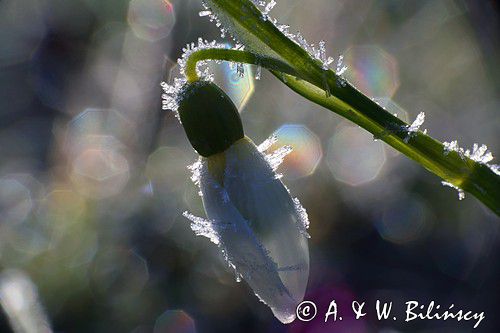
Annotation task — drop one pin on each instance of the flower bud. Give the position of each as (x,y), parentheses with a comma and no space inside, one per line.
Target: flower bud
(210,119)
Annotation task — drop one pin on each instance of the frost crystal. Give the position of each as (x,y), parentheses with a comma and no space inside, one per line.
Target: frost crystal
(195,169)
(415,126)
(303,223)
(258,72)
(202,227)
(495,168)
(267,143)
(340,68)
(276,157)
(316,52)
(205,13)
(240,70)
(269,6)
(461,194)
(170,91)
(479,154)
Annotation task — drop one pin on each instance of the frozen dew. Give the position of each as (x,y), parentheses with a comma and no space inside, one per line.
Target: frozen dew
(265,7)
(353,157)
(317,52)
(276,158)
(303,222)
(258,72)
(372,70)
(495,168)
(20,302)
(266,144)
(195,169)
(341,68)
(461,193)
(151,20)
(450,146)
(202,227)
(175,321)
(415,126)
(172,88)
(305,151)
(479,154)
(204,13)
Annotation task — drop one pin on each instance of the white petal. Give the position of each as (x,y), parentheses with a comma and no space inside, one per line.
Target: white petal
(267,227)
(244,251)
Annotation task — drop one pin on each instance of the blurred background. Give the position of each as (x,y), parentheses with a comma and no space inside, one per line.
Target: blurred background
(93,177)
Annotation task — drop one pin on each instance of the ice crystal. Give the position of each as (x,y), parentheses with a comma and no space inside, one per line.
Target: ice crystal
(202,227)
(479,154)
(415,126)
(204,13)
(461,194)
(276,157)
(340,66)
(195,169)
(303,223)
(240,70)
(170,91)
(269,6)
(258,72)
(495,168)
(266,144)
(316,52)
(450,146)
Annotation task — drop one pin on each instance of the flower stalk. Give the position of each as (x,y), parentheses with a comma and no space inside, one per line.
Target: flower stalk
(269,47)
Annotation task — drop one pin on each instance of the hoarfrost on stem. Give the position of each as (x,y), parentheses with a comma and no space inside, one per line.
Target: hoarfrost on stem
(415,126)
(479,154)
(461,193)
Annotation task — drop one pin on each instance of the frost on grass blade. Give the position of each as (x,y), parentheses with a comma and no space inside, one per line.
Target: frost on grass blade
(461,193)
(414,127)
(239,34)
(341,68)
(479,154)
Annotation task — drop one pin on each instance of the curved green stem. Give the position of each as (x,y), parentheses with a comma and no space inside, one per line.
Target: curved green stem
(307,77)
(230,55)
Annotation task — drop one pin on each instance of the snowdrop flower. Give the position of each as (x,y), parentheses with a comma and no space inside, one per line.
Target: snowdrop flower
(258,226)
